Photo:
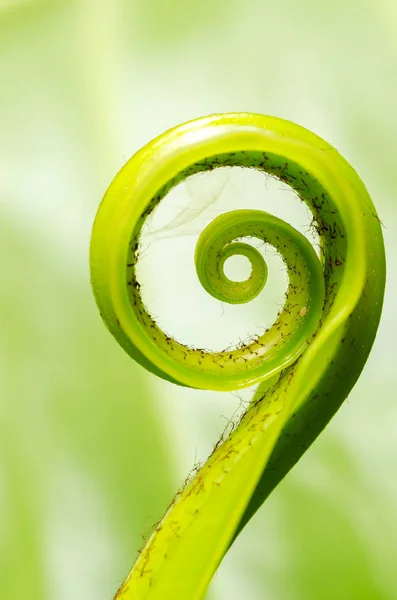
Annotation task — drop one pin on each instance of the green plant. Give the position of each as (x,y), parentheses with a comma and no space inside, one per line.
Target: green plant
(305,364)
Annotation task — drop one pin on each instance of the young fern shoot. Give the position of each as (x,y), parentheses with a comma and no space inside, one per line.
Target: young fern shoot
(305,364)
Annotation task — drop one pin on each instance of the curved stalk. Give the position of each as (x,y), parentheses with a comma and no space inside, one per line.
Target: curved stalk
(305,364)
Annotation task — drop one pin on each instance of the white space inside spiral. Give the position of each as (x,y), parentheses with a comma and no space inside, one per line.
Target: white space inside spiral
(237,268)
(169,283)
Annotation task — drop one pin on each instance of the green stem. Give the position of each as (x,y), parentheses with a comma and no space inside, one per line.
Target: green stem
(305,364)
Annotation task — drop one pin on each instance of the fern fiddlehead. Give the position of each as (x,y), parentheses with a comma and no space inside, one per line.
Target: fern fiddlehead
(305,364)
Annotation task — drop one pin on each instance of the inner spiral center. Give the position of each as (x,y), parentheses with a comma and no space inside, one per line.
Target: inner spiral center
(234,266)
(237,268)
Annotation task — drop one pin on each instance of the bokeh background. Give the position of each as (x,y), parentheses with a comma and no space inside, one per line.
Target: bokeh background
(92,448)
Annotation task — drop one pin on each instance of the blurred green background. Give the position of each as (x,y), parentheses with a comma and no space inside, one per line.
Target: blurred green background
(91,447)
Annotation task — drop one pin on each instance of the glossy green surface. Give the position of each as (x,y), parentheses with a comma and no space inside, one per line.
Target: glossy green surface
(306,363)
